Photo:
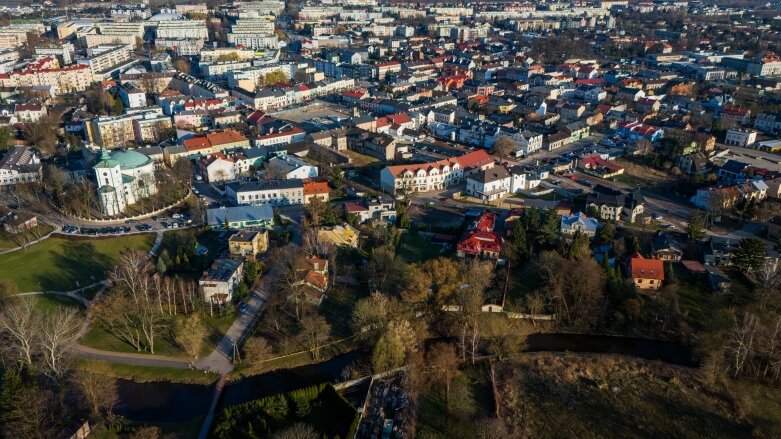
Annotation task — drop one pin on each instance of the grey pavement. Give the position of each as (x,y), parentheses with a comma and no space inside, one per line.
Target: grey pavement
(132,359)
(73,294)
(220,360)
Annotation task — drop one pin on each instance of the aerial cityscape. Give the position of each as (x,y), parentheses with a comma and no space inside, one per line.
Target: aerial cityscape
(390,219)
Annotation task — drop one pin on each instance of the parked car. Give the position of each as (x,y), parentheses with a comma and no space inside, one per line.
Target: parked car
(243,307)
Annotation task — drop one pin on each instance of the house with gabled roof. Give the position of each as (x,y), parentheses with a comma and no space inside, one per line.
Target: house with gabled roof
(646,274)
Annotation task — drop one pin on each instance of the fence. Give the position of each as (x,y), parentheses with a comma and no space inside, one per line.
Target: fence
(142,216)
(498,309)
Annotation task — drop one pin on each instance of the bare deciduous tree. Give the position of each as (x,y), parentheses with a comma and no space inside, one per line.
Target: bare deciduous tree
(19,327)
(58,332)
(101,392)
(742,339)
(315,332)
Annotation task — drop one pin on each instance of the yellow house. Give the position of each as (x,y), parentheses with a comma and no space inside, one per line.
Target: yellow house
(248,243)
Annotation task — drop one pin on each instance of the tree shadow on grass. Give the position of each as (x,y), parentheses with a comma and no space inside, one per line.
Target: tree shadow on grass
(78,264)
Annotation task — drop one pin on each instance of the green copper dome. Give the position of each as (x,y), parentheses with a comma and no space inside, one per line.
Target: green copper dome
(130,159)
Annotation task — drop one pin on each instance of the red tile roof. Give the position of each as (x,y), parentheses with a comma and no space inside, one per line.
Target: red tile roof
(643,268)
(316,188)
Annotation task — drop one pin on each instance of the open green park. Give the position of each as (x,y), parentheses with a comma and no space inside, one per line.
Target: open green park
(66,263)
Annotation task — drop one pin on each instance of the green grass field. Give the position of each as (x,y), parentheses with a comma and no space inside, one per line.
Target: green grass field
(9,240)
(147,374)
(416,249)
(49,303)
(99,338)
(61,264)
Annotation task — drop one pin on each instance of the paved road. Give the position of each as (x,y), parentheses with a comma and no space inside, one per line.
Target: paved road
(132,359)
(219,360)
(73,294)
(760,159)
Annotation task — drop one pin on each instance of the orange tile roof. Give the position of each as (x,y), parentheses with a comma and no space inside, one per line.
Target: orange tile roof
(223,137)
(316,188)
(196,143)
(643,268)
(471,160)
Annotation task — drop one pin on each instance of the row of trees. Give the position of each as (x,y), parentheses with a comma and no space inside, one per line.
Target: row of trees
(144,305)
(41,394)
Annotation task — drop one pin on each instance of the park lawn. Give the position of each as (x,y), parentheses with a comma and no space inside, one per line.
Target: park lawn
(7,240)
(147,374)
(414,248)
(99,338)
(59,264)
(471,399)
(51,303)
(218,323)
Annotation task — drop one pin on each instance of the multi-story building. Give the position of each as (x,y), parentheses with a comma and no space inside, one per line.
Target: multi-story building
(20,165)
(768,122)
(490,184)
(271,192)
(135,29)
(102,59)
(112,131)
(132,97)
(130,12)
(248,243)
(740,137)
(19,31)
(221,280)
(92,40)
(426,177)
(151,127)
(174,29)
(46,71)
(249,77)
(191,9)
(63,52)
(181,46)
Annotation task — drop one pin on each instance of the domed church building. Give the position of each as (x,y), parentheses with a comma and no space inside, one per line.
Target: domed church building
(123,177)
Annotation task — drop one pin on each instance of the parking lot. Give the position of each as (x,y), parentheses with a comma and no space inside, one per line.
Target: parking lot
(175,221)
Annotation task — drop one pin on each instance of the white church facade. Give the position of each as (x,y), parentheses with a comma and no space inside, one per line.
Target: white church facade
(123,178)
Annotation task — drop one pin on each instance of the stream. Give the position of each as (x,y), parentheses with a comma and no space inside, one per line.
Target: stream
(173,403)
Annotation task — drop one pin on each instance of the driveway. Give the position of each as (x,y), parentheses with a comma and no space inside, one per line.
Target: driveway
(220,360)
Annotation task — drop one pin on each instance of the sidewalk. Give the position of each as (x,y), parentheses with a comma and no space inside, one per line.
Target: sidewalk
(132,359)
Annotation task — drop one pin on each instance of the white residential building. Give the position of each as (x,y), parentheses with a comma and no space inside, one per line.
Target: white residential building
(489,184)
(221,280)
(291,167)
(578,222)
(20,165)
(740,137)
(273,192)
(102,59)
(426,177)
(175,29)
